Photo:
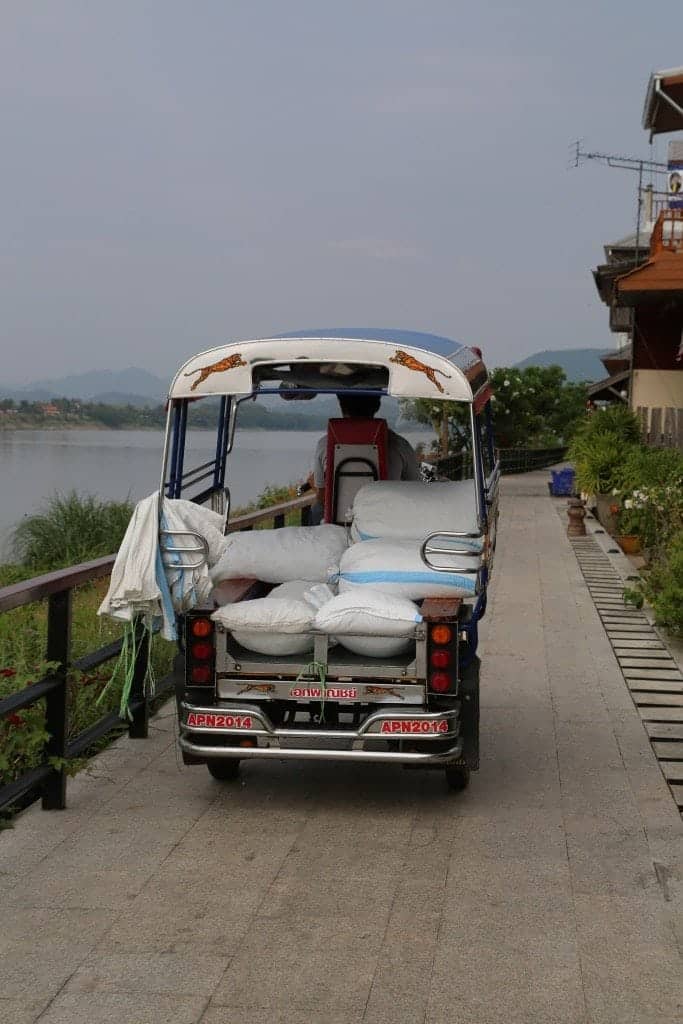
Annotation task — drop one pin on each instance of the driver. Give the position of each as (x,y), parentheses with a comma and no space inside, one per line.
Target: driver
(401,460)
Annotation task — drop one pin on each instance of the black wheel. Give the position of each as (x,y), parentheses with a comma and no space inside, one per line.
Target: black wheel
(225,769)
(457,778)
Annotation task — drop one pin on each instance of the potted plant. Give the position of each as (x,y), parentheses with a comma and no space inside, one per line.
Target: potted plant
(598,450)
(597,460)
(634,521)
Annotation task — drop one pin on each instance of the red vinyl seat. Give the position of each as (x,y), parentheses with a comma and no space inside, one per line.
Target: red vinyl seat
(356,455)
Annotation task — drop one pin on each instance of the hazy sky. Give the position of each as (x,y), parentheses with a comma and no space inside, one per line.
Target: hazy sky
(175,174)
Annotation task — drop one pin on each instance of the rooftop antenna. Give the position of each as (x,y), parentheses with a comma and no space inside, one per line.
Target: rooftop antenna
(625,163)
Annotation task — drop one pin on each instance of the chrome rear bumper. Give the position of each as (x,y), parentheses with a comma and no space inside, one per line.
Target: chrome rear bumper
(250,723)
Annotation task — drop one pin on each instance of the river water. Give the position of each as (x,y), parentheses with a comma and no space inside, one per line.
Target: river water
(116,464)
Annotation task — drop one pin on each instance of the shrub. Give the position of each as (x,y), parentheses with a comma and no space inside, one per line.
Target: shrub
(663,586)
(274,494)
(615,419)
(22,733)
(650,491)
(71,528)
(651,467)
(601,443)
(597,460)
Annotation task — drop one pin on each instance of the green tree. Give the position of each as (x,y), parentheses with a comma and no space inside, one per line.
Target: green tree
(533,407)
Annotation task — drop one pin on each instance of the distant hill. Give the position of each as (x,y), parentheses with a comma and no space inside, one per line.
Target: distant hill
(580,364)
(115,387)
(141,389)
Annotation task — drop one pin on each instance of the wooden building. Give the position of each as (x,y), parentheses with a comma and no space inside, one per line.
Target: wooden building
(642,283)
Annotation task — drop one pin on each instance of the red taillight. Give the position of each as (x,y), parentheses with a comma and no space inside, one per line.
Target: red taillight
(201,627)
(202,650)
(201,674)
(440,682)
(440,659)
(441,634)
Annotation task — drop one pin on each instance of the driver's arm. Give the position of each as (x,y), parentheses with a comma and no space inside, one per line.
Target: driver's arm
(319,470)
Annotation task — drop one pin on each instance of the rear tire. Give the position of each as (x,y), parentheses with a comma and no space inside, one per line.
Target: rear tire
(457,779)
(224,769)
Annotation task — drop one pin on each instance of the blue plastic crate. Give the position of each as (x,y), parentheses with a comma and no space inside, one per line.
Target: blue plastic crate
(562,483)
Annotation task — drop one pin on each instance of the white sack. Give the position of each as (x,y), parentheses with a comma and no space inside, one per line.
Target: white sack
(369,622)
(375,646)
(280,556)
(411,510)
(140,584)
(367,612)
(276,624)
(395,567)
(203,521)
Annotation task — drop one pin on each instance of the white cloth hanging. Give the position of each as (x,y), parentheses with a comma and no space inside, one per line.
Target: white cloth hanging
(152,583)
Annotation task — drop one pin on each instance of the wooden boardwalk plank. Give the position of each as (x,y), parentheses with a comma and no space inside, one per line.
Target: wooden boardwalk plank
(669,750)
(660,714)
(615,621)
(644,698)
(628,634)
(636,628)
(624,612)
(628,643)
(673,770)
(654,686)
(648,659)
(664,730)
(670,674)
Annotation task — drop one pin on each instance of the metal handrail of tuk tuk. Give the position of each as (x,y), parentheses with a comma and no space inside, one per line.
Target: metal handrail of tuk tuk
(201,549)
(426,551)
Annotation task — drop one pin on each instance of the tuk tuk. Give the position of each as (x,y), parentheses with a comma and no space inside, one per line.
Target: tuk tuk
(417,706)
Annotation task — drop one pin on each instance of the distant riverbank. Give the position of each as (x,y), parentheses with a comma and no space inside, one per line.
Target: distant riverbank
(119,464)
(69,414)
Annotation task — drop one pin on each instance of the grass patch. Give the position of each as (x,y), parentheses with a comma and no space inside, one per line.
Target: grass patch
(70,528)
(23,639)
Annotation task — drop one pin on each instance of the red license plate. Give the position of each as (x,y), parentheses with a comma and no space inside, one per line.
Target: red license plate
(413,726)
(211,721)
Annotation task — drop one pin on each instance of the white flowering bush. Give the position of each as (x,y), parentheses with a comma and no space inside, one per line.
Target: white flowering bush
(651,499)
(650,495)
(652,513)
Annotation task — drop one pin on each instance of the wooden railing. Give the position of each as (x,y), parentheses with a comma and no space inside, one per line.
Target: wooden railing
(278,515)
(524,460)
(48,779)
(512,460)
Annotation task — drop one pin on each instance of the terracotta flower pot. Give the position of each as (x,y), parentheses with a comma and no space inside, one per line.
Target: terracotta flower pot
(629,543)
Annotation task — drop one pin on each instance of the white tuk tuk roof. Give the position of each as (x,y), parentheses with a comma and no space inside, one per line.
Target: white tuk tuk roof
(418,365)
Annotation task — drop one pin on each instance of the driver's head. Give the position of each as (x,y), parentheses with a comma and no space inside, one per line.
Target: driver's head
(359,407)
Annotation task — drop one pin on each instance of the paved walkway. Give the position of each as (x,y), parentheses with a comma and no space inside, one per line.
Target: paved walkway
(549,892)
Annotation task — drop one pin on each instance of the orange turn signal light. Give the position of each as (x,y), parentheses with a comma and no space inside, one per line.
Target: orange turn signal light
(201,627)
(441,634)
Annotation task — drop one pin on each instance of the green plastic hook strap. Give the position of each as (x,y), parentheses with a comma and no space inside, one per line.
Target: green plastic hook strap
(319,669)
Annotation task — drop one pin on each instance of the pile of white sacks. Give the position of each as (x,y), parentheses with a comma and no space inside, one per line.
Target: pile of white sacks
(361,592)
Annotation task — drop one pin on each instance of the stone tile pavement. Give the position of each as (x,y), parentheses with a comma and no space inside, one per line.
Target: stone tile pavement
(550,891)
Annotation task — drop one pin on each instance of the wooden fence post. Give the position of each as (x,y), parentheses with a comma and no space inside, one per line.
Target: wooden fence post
(57,701)
(138,726)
